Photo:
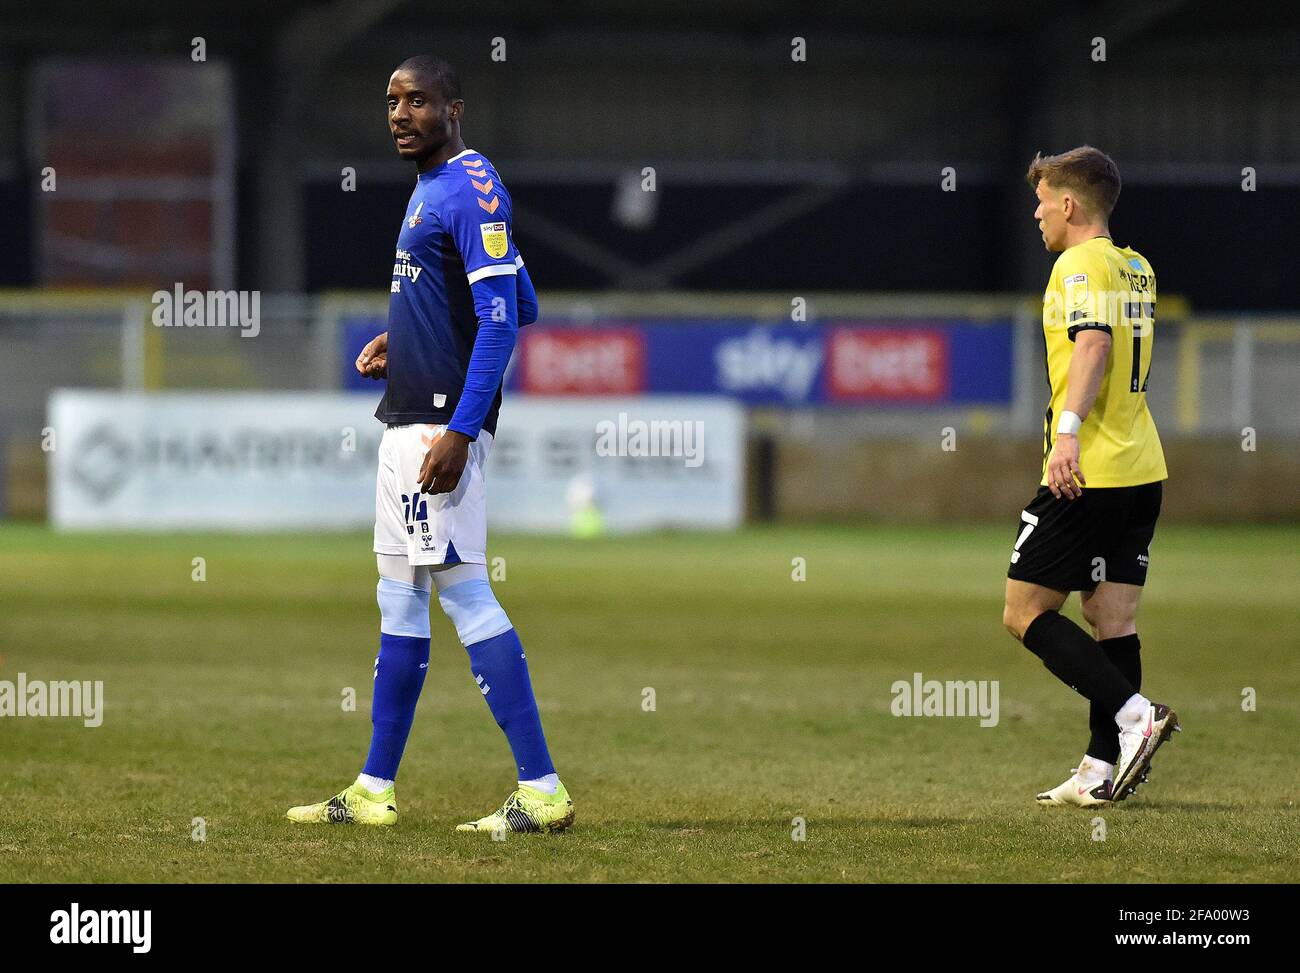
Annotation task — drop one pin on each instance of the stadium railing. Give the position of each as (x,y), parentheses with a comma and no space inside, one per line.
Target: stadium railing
(1213,376)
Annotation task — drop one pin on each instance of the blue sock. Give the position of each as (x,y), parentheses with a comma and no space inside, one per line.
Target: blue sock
(399,676)
(501,672)
(399,673)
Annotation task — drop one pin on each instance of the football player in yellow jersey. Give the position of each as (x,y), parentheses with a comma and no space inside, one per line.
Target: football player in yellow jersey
(1090,526)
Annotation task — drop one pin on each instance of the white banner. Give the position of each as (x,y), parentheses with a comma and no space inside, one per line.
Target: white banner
(645,462)
(299,460)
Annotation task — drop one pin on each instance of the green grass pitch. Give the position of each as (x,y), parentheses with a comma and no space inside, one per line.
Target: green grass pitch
(771,703)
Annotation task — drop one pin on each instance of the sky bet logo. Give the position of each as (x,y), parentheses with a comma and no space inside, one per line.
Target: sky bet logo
(103,926)
(756,361)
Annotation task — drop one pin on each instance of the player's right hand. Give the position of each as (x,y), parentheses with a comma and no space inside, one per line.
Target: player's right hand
(373,360)
(1063,468)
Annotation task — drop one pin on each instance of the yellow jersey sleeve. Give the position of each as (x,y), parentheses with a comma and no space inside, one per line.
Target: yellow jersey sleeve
(1083,280)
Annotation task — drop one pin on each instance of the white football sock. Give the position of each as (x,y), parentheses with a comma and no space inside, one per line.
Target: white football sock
(1091,770)
(375,785)
(547,785)
(1132,712)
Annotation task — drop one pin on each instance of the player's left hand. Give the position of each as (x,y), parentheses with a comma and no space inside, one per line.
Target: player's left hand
(1063,468)
(444,463)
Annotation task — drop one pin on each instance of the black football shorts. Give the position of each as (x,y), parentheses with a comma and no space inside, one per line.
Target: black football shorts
(1073,545)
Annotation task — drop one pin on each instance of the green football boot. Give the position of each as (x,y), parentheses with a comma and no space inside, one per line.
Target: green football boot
(352,805)
(528,810)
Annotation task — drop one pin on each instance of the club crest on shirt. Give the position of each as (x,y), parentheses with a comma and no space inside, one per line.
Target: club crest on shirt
(495,241)
(416,218)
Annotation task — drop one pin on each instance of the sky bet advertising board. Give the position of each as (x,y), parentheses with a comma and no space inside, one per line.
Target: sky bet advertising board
(860,362)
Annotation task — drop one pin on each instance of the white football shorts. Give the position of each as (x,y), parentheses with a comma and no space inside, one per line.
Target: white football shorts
(442,528)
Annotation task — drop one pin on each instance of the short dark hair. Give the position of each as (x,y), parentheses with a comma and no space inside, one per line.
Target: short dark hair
(1089,172)
(435,70)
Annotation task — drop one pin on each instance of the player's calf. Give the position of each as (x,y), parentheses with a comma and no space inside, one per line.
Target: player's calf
(500,669)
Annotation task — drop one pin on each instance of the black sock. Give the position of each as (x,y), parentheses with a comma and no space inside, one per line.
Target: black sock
(1075,659)
(1124,654)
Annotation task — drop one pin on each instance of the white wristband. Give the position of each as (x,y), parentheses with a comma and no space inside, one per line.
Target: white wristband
(1069,424)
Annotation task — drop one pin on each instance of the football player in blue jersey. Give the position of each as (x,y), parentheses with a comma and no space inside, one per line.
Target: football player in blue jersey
(459,294)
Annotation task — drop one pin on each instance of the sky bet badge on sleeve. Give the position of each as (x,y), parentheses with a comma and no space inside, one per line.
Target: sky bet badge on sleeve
(1076,289)
(495,241)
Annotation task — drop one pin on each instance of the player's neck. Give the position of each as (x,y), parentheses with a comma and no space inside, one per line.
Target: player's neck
(1074,235)
(454,147)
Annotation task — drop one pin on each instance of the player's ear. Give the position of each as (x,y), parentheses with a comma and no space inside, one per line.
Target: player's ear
(457,110)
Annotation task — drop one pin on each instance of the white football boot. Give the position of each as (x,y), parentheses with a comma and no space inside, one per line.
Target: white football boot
(1138,743)
(1089,786)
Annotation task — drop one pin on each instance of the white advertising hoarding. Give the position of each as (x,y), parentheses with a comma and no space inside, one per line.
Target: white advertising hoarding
(306,460)
(651,461)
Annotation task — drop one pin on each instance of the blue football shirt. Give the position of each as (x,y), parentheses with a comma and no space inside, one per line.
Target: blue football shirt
(457,230)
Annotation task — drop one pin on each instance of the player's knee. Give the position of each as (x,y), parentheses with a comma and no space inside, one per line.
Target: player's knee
(1011,616)
(403,608)
(474,610)
(1090,614)
(1110,618)
(1017,618)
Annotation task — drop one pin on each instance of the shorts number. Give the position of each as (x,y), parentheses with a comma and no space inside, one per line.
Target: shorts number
(1030,522)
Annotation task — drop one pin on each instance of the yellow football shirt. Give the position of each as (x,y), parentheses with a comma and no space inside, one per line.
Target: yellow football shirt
(1099,285)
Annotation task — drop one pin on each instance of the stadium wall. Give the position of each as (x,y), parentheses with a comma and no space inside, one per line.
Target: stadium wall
(911,481)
